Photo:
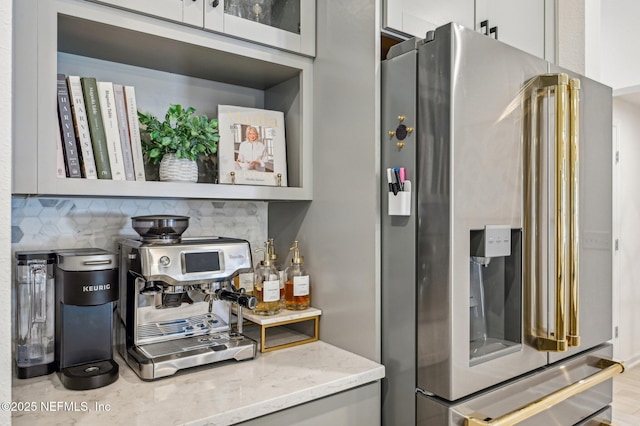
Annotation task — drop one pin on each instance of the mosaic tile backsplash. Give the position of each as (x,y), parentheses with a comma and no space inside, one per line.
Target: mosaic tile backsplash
(62,223)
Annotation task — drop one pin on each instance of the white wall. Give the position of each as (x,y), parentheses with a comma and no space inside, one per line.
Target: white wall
(620,62)
(5,205)
(627,127)
(620,69)
(570,35)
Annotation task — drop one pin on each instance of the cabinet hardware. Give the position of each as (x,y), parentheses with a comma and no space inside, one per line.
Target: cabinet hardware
(485,24)
(214,3)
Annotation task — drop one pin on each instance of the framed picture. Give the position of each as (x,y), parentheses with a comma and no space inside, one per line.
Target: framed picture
(252,147)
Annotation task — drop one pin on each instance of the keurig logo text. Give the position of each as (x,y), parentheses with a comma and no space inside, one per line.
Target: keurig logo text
(89,288)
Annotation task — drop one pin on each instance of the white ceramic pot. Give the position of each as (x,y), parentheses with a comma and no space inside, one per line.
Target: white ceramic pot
(178,169)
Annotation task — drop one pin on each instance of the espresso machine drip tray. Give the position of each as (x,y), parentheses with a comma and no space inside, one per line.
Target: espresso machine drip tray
(182,327)
(215,342)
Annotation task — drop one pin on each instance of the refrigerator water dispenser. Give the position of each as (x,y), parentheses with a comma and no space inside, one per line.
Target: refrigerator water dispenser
(495,293)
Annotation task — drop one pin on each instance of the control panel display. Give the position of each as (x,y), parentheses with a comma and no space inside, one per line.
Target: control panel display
(208,261)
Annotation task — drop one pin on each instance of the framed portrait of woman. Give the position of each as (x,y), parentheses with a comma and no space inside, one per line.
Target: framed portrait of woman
(252,147)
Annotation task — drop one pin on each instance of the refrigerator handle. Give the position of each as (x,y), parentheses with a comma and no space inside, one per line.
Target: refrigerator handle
(573,335)
(608,370)
(541,85)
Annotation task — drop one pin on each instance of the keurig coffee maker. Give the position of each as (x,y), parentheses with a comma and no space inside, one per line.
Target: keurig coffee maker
(86,289)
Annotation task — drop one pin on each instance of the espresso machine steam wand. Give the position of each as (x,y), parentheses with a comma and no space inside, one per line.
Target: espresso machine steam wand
(240,298)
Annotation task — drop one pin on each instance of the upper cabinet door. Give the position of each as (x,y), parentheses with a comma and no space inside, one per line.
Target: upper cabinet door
(519,23)
(285,24)
(186,11)
(416,17)
(525,24)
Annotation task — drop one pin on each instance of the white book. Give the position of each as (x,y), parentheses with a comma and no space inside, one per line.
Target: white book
(123,127)
(112,133)
(82,127)
(134,132)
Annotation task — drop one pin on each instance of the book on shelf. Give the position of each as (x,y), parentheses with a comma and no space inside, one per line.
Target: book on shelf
(81,126)
(134,132)
(111,131)
(123,128)
(252,148)
(96,128)
(60,169)
(68,135)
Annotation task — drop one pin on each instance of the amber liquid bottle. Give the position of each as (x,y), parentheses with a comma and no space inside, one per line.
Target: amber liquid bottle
(297,286)
(273,257)
(244,280)
(267,287)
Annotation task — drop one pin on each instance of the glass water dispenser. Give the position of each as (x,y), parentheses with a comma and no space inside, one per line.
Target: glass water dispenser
(34,309)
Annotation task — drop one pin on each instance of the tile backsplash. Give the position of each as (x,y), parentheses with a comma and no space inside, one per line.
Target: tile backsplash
(61,223)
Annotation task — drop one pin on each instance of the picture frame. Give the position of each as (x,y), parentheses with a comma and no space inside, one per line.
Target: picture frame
(252,147)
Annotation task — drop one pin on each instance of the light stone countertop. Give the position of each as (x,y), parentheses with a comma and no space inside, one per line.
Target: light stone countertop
(219,394)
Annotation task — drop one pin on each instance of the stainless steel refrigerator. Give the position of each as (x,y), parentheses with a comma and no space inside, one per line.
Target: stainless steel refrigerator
(496,236)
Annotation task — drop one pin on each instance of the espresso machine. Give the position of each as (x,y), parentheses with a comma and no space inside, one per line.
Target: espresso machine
(176,298)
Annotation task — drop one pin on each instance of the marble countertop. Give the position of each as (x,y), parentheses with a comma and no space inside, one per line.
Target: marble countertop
(219,394)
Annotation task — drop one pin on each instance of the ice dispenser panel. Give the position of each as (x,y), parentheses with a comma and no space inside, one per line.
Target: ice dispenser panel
(495,293)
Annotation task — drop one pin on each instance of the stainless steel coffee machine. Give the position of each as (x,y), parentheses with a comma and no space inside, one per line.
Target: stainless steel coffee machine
(176,297)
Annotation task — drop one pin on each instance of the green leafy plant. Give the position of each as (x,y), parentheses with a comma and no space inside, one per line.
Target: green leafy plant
(181,133)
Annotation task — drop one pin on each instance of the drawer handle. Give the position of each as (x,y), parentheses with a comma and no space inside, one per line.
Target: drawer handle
(608,370)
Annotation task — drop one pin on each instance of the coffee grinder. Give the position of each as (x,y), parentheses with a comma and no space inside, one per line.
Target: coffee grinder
(86,289)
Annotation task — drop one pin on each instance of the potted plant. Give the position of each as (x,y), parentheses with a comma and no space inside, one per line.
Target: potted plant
(178,141)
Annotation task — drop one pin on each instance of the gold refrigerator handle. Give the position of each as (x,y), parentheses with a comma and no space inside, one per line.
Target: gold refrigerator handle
(573,336)
(558,341)
(608,370)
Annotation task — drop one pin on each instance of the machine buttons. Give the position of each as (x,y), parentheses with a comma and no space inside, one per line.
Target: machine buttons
(164,261)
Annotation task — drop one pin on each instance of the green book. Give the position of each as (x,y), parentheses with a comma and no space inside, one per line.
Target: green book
(96,127)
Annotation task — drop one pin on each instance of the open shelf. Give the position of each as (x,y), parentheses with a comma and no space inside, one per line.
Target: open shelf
(167,63)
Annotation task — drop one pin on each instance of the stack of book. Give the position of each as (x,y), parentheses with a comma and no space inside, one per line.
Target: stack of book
(99,134)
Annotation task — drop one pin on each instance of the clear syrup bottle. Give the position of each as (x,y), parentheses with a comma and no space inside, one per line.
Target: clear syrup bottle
(297,286)
(267,286)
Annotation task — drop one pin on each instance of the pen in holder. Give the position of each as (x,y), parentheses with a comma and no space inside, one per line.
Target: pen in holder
(400,203)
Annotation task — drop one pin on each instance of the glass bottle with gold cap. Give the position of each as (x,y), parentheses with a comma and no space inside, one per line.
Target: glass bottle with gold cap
(266,286)
(273,256)
(297,286)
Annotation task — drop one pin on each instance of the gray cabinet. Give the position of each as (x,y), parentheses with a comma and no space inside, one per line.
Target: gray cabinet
(185,11)
(525,24)
(284,24)
(166,63)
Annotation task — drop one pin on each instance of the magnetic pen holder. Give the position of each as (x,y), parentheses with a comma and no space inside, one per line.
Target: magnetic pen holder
(400,203)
